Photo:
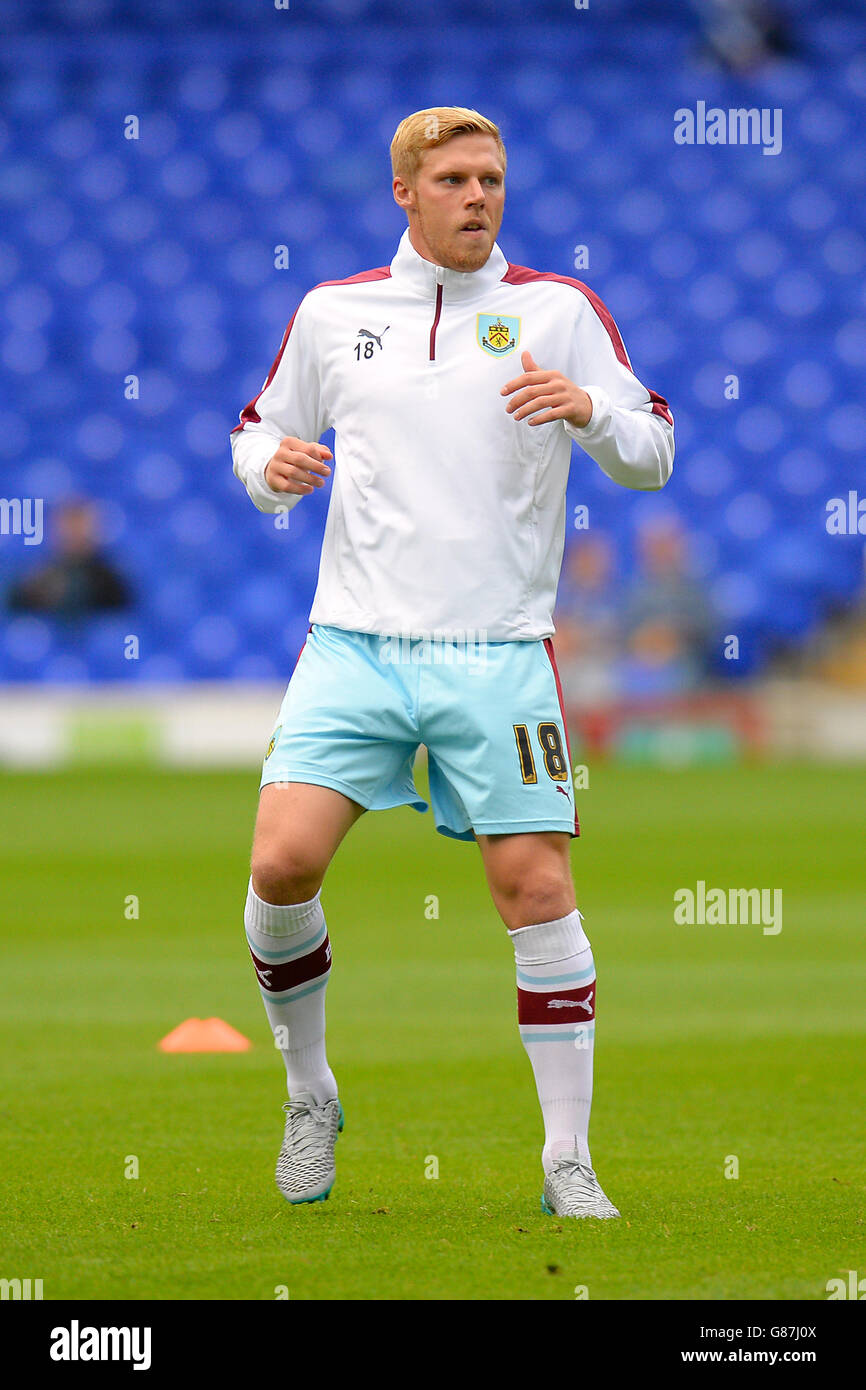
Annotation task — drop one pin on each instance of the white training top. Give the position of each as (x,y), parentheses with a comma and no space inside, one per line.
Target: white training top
(446,514)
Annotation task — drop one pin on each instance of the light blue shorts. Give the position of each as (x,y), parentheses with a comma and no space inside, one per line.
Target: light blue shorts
(490,715)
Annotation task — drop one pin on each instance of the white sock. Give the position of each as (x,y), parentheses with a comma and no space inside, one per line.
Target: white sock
(292,958)
(556,1015)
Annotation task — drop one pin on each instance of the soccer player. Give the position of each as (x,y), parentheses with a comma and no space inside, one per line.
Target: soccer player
(455,383)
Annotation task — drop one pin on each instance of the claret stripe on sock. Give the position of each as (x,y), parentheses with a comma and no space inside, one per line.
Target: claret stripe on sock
(559,1006)
(283,975)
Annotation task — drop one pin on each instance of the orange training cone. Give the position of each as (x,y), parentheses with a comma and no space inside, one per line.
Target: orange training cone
(204,1035)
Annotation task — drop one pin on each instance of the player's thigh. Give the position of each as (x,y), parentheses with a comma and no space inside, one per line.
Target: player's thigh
(529,876)
(299,827)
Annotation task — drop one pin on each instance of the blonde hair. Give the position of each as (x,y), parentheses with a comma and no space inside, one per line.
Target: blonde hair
(424,130)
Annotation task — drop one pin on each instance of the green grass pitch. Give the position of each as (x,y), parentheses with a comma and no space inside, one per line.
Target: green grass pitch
(712,1042)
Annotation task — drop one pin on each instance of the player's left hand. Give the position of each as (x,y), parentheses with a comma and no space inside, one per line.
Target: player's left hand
(549,392)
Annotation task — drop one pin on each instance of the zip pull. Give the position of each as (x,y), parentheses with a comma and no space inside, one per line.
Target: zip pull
(440,280)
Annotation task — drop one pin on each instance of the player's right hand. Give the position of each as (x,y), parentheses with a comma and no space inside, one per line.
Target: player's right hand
(297,466)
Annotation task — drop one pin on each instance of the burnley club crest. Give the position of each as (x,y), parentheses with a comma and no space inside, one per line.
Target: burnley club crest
(498,334)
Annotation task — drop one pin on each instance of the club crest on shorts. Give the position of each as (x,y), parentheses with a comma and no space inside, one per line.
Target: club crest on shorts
(497,333)
(273,743)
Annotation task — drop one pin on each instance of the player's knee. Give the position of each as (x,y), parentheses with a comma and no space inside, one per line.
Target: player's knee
(286,876)
(542,897)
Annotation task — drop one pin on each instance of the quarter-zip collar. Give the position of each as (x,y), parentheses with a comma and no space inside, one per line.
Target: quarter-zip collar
(408,268)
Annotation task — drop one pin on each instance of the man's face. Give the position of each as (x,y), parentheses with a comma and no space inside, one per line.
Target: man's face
(455,206)
(77,530)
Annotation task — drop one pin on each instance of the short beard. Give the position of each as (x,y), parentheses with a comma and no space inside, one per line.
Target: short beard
(471,259)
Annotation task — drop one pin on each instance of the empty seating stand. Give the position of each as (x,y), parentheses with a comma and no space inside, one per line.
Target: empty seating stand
(155,258)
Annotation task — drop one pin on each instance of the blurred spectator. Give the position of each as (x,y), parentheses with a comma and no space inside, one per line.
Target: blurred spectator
(80,580)
(587,621)
(668,620)
(837,650)
(742,35)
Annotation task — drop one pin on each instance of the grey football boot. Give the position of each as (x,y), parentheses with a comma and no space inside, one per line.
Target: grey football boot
(572,1189)
(305,1167)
